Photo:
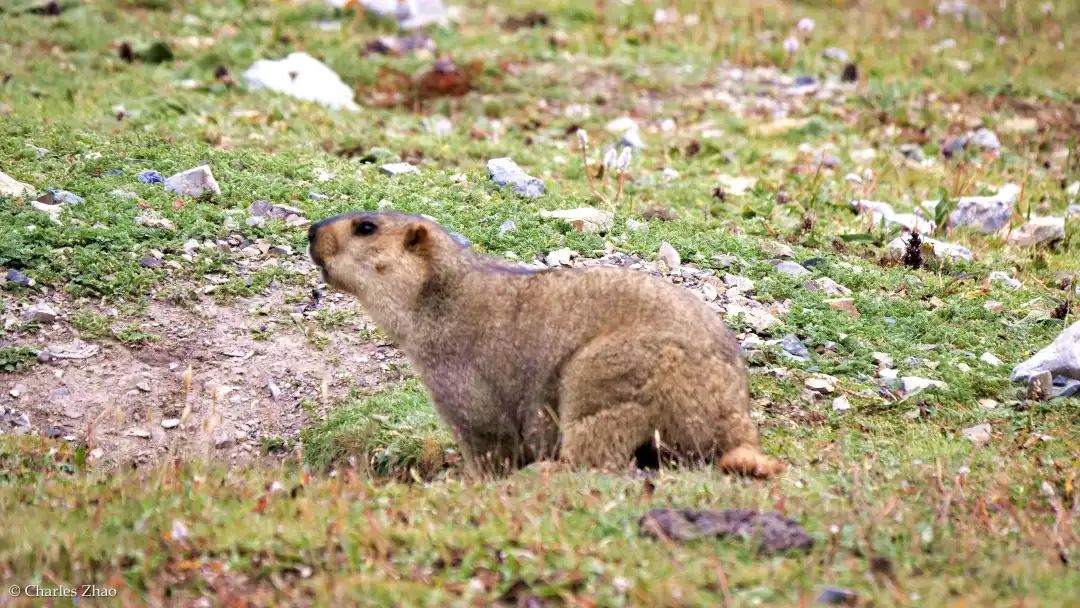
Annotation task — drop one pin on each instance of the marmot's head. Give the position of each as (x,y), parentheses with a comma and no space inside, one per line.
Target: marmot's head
(383,258)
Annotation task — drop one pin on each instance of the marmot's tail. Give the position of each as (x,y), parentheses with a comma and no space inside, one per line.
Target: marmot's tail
(748,460)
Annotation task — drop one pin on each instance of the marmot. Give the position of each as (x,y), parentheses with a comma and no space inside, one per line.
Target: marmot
(591,367)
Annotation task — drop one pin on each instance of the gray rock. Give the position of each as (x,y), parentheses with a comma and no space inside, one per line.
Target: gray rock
(954,146)
(14,277)
(461,239)
(1038,230)
(792,269)
(275,391)
(506,227)
(915,384)
(633,225)
(990,359)
(836,596)
(18,390)
(737,284)
(986,139)
(1061,357)
(1005,279)
(794,347)
(223,438)
(60,197)
(9,186)
(40,313)
(193,182)
(395,169)
(1064,387)
(777,249)
(281,250)
(410,15)
(150,220)
(1074,211)
(986,214)
(13,421)
(978,434)
(315,196)
(841,404)
(505,172)
(668,255)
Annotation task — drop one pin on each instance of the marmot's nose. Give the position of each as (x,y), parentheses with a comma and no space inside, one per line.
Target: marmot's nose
(312,231)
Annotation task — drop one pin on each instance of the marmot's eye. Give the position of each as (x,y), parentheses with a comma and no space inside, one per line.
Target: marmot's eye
(365,229)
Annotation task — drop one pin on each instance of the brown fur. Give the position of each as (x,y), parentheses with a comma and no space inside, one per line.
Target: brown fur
(582,365)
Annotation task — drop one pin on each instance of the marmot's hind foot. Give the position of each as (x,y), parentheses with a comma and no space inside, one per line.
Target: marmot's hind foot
(745,460)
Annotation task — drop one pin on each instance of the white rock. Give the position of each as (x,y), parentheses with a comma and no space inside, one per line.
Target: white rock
(1005,279)
(18,390)
(841,404)
(988,404)
(915,384)
(583,219)
(737,284)
(170,423)
(193,182)
(990,359)
(9,186)
(791,268)
(633,225)
(301,76)
(40,313)
(736,186)
(394,169)
(883,359)
(1038,230)
(150,220)
(986,139)
(668,255)
(880,211)
(978,434)
(621,125)
(560,257)
(1060,358)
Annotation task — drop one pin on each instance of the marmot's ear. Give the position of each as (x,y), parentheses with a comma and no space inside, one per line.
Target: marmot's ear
(417,239)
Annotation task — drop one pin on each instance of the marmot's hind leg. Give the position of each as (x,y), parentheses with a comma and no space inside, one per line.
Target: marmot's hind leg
(606,439)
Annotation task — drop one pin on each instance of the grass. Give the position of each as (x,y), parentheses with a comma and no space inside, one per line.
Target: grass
(370,508)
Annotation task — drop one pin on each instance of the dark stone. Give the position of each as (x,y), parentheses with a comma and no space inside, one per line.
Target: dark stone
(850,73)
(793,346)
(802,81)
(835,596)
(151,262)
(773,531)
(17,278)
(54,432)
(815,263)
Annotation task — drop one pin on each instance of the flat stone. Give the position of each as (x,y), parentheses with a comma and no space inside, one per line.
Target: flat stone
(841,404)
(303,77)
(505,172)
(395,169)
(170,423)
(583,219)
(193,182)
(9,186)
(39,313)
(1038,230)
(792,269)
(793,346)
(883,359)
(990,359)
(915,384)
(777,250)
